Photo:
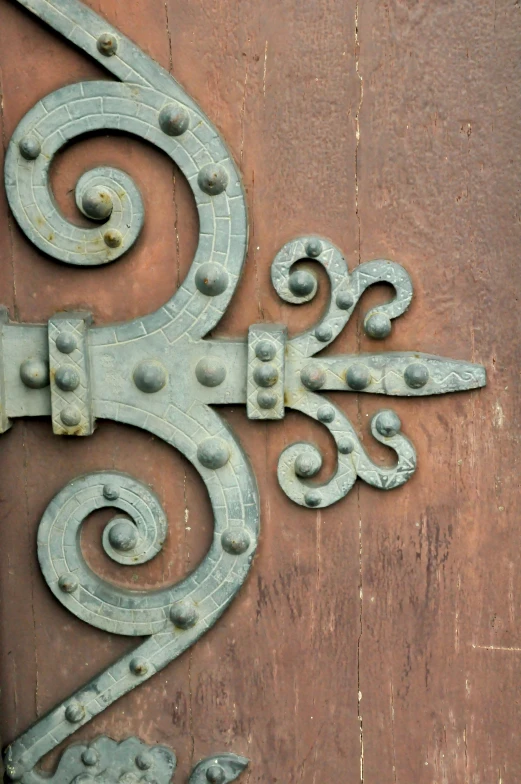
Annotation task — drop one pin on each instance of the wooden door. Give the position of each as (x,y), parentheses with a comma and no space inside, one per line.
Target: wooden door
(375,640)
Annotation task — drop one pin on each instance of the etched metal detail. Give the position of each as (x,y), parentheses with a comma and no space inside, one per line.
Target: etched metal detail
(158,373)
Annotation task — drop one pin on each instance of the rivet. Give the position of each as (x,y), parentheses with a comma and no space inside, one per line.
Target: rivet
(324,333)
(29,147)
(314,248)
(212,179)
(107,44)
(213,453)
(35,373)
(388,423)
(113,238)
(235,542)
(313,376)
(301,283)
(416,375)
(149,376)
(174,119)
(265,350)
(14,772)
(215,775)
(266,375)
(378,326)
(358,377)
(266,398)
(210,372)
(138,666)
(111,492)
(70,416)
(89,757)
(345,446)
(325,413)
(74,712)
(183,615)
(66,342)
(211,279)
(67,378)
(308,464)
(68,583)
(123,535)
(344,300)
(97,203)
(313,498)
(144,761)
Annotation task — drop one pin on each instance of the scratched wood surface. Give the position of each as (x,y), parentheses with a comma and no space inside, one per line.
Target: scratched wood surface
(378,640)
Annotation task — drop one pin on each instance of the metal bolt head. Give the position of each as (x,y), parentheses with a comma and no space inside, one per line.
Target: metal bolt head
(344,300)
(211,279)
(266,375)
(358,376)
(416,375)
(67,378)
(111,492)
(313,376)
(96,203)
(301,283)
(265,350)
(144,761)
(213,453)
(138,666)
(314,248)
(74,712)
(123,535)
(107,44)
(70,416)
(184,615)
(113,238)
(345,445)
(213,179)
(174,119)
(324,333)
(210,372)
(266,399)
(90,757)
(388,423)
(312,498)
(308,464)
(149,376)
(68,583)
(215,775)
(378,326)
(35,373)
(325,413)
(66,342)
(29,147)
(235,542)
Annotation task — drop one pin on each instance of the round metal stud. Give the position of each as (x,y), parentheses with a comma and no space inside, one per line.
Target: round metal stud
(68,583)
(183,615)
(358,377)
(107,44)
(266,399)
(174,119)
(301,283)
(70,416)
(266,375)
(346,445)
(265,350)
(150,376)
(215,775)
(89,757)
(313,376)
(324,333)
(30,148)
(235,542)
(210,372)
(378,326)
(308,464)
(113,238)
(35,373)
(66,342)
(144,761)
(344,300)
(111,492)
(13,772)
(213,179)
(313,498)
(314,248)
(74,712)
(211,279)
(123,535)
(67,378)
(388,423)
(97,203)
(213,453)
(138,666)
(325,413)
(416,375)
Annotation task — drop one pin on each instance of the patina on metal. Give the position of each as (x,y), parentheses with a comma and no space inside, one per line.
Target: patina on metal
(76,372)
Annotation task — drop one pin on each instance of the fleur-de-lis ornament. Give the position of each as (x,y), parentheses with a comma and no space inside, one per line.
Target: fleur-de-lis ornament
(76,372)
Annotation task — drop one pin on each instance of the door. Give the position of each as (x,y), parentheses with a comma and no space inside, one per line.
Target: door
(374,639)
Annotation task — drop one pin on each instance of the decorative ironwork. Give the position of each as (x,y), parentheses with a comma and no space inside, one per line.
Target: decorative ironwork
(77,372)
